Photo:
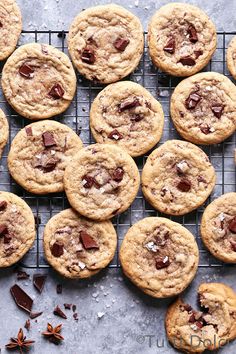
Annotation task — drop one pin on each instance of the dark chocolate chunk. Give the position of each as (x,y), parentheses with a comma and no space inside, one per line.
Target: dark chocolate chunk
(187,307)
(73,308)
(184,185)
(118,174)
(192,100)
(136,117)
(162,262)
(88,55)
(90,182)
(75,316)
(128,104)
(233,245)
(205,129)
(3,205)
(34,315)
(39,281)
(7,239)
(27,324)
(115,135)
(22,300)
(217,110)
(48,139)
(232,225)
(26,71)
(58,312)
(87,241)
(50,165)
(56,91)
(121,43)
(28,131)
(170,46)
(68,306)
(57,249)
(59,288)
(21,275)
(3,230)
(188,61)
(192,34)
(192,318)
(198,53)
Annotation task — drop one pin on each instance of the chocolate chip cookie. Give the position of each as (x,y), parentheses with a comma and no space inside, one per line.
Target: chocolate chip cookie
(105,43)
(182,39)
(194,331)
(38,81)
(159,256)
(4,131)
(231,57)
(17,229)
(77,247)
(127,115)
(177,177)
(203,108)
(101,181)
(218,227)
(39,155)
(10,27)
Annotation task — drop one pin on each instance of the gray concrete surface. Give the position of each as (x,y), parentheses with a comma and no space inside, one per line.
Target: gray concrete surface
(132,322)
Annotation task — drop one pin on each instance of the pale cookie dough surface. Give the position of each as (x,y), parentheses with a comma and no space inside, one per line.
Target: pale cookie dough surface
(38,81)
(182,39)
(77,247)
(17,228)
(101,181)
(231,57)
(10,27)
(203,108)
(196,331)
(127,115)
(159,256)
(106,43)
(4,131)
(177,177)
(39,155)
(218,227)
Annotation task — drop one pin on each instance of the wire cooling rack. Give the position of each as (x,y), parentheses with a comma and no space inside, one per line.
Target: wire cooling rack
(161,86)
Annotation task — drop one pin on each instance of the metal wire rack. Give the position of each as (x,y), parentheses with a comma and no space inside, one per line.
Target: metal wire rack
(161,86)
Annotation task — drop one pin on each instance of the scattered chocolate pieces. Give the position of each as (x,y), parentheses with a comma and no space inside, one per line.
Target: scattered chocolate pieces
(192,33)
(232,225)
(188,61)
(34,315)
(121,43)
(53,333)
(88,55)
(170,46)
(48,139)
(184,185)
(89,182)
(58,312)
(115,135)
(192,100)
(87,241)
(162,262)
(22,300)
(57,249)
(20,342)
(217,110)
(39,281)
(27,324)
(56,91)
(128,104)
(59,288)
(118,174)
(21,275)
(3,205)
(28,131)
(26,71)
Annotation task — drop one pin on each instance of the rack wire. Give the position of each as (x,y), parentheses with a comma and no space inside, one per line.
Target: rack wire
(161,86)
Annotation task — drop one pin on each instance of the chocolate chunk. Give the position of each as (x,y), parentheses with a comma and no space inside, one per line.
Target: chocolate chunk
(198,53)
(59,288)
(199,324)
(58,312)
(162,262)
(28,131)
(192,34)
(3,205)
(87,241)
(39,281)
(118,174)
(136,117)
(50,165)
(233,245)
(188,61)
(121,43)
(7,239)
(217,110)
(128,104)
(192,100)
(184,185)
(170,46)
(75,316)
(56,91)
(3,230)
(68,306)
(205,129)
(21,298)
(57,249)
(48,139)
(192,318)
(88,55)
(74,308)
(232,225)
(21,275)
(89,182)
(1,25)
(188,307)
(115,135)
(34,315)
(27,324)
(201,179)
(26,71)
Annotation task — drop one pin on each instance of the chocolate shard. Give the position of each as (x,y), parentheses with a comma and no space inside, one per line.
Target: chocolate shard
(115,135)
(217,110)
(75,316)
(56,91)
(50,165)
(121,43)
(22,300)
(205,129)
(48,139)
(184,185)
(39,281)
(170,46)
(188,61)
(57,249)
(87,241)
(73,308)
(118,174)
(232,225)
(26,71)
(89,182)
(88,55)
(27,324)
(34,315)
(192,100)
(28,131)
(128,104)
(21,275)
(162,262)
(68,306)
(58,312)
(3,230)
(192,32)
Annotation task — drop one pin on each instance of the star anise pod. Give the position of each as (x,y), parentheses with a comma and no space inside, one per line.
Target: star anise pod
(53,333)
(20,342)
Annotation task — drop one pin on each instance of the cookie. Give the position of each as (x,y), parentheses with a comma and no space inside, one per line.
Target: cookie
(10,27)
(4,131)
(17,229)
(38,81)
(105,43)
(101,181)
(39,155)
(181,38)
(77,247)
(127,115)
(196,331)
(218,227)
(203,108)
(159,256)
(177,177)
(231,57)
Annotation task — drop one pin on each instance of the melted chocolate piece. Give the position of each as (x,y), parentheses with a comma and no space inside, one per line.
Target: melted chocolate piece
(217,110)
(26,71)
(88,55)
(136,117)
(205,129)
(28,131)
(118,174)
(87,241)
(48,139)
(198,53)
(21,298)
(192,100)
(56,92)
(232,225)
(121,43)
(57,249)
(34,315)
(128,104)
(58,312)
(170,46)
(192,34)
(115,135)
(3,205)
(162,262)
(184,185)
(50,165)
(39,281)
(188,61)
(90,182)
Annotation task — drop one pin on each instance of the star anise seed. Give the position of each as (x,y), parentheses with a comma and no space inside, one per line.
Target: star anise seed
(20,342)
(53,333)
